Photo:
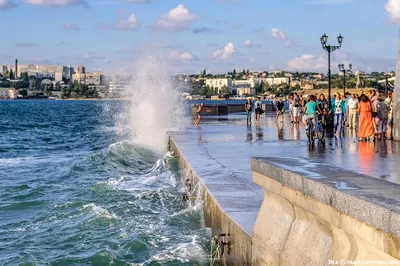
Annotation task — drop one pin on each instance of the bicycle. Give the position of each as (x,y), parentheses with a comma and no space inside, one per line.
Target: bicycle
(320,129)
(310,131)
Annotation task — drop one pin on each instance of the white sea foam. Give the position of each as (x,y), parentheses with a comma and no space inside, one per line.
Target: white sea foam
(155,103)
(95,211)
(183,252)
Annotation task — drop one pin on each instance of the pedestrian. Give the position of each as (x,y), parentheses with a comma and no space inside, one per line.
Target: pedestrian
(338,110)
(291,104)
(280,109)
(296,108)
(310,111)
(366,121)
(389,102)
(258,109)
(381,119)
(249,109)
(198,113)
(344,116)
(352,107)
(323,106)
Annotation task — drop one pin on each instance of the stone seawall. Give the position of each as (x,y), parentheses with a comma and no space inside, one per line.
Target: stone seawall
(317,214)
(299,212)
(219,210)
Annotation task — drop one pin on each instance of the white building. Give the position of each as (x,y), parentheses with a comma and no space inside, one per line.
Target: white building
(245,87)
(277,81)
(7,93)
(220,84)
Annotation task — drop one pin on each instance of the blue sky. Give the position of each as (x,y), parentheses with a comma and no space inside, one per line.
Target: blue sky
(190,35)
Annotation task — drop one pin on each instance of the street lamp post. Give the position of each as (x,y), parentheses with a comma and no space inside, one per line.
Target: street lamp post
(344,70)
(329,49)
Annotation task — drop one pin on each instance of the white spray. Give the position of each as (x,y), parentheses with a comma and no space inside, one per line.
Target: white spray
(155,104)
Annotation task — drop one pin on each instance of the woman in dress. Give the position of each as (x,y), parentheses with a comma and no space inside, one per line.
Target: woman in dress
(366,121)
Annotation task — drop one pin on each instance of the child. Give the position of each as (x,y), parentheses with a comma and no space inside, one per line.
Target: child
(199,109)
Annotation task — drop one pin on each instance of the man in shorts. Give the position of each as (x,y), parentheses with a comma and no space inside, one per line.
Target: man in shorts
(199,109)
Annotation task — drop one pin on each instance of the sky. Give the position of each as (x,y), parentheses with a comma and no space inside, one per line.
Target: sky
(191,35)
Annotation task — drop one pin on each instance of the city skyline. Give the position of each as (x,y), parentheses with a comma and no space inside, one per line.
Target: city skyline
(217,35)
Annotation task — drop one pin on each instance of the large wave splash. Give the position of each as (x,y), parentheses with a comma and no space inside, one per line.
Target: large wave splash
(155,103)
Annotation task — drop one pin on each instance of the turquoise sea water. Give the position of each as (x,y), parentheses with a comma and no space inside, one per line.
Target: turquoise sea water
(74,190)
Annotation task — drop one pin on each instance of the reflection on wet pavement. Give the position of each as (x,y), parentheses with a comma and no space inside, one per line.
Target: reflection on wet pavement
(230,141)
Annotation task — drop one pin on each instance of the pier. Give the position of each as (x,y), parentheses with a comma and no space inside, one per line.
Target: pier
(276,198)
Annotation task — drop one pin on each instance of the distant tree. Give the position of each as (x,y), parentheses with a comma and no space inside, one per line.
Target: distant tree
(247,72)
(47,90)
(11,74)
(22,92)
(265,86)
(32,84)
(58,86)
(7,74)
(234,74)
(224,89)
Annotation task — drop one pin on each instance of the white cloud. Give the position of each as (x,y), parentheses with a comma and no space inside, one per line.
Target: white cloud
(71,26)
(319,63)
(227,52)
(177,19)
(7,4)
(309,62)
(136,1)
(25,44)
(57,3)
(249,43)
(393,8)
(126,21)
(91,57)
(183,57)
(281,35)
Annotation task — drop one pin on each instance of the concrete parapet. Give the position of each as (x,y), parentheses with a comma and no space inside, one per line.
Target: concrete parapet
(228,206)
(313,214)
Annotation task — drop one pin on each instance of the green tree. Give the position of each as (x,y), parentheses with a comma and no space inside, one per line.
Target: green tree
(22,92)
(58,86)
(234,74)
(265,86)
(7,74)
(32,84)
(224,89)
(11,74)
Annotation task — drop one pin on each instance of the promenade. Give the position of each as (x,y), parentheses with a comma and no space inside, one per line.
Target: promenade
(230,142)
(219,153)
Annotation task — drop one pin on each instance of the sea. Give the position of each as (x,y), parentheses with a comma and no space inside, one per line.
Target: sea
(76,188)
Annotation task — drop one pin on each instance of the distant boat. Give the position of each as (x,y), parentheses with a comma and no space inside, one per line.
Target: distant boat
(51,98)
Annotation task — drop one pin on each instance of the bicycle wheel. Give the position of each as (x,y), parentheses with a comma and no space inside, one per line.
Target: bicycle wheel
(320,133)
(308,130)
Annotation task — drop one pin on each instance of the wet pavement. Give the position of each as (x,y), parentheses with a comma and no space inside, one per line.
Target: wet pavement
(229,140)
(220,152)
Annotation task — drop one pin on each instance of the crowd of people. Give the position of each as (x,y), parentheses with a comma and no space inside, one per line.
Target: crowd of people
(370,113)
